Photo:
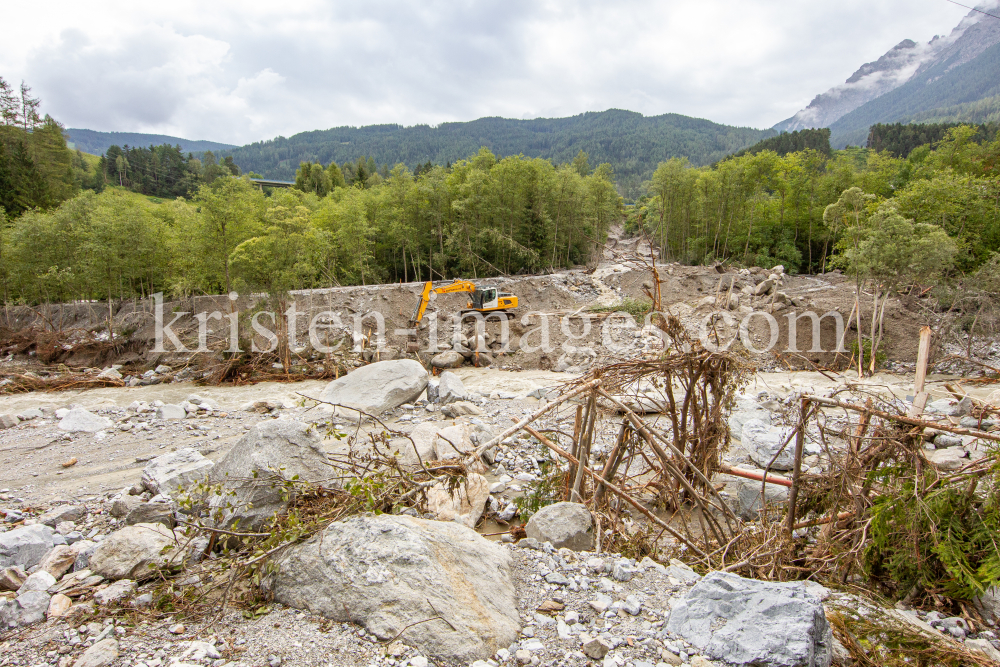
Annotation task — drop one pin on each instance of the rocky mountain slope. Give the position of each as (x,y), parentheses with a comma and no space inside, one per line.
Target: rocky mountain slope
(948,70)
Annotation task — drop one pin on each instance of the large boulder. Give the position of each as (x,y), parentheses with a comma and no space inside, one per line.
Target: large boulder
(255,472)
(745,498)
(748,622)
(61,513)
(448,359)
(744,412)
(101,654)
(988,604)
(79,420)
(171,472)
(158,512)
(463,503)
(419,446)
(460,438)
(762,441)
(26,609)
(59,561)
(377,388)
(137,552)
(567,525)
(451,388)
(950,458)
(26,546)
(389,572)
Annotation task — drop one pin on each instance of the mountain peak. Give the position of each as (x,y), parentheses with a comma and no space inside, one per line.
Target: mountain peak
(908,59)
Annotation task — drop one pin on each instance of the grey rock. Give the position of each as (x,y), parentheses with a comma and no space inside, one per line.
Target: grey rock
(39,581)
(11,578)
(377,388)
(29,414)
(432,391)
(482,359)
(169,473)
(951,458)
(632,605)
(763,441)
(26,546)
(26,609)
(747,410)
(596,648)
(116,593)
(763,287)
(162,513)
(461,409)
(746,499)
(419,446)
(122,506)
(385,571)
(448,359)
(110,374)
(988,604)
(564,524)
(944,440)
(101,654)
(968,422)
(944,406)
(137,552)
(57,515)
(984,648)
(58,561)
(451,388)
(171,411)
(460,438)
(463,503)
(557,578)
(79,420)
(748,622)
(8,421)
(624,570)
(83,549)
(255,471)
(682,572)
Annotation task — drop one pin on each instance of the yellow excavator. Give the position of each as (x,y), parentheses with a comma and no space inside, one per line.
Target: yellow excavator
(485,299)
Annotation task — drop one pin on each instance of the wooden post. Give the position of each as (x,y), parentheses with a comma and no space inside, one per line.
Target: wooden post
(923,355)
(793,492)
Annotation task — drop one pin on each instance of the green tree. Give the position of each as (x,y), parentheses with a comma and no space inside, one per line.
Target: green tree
(232,212)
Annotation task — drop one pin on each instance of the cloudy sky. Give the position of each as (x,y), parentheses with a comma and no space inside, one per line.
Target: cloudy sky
(243,71)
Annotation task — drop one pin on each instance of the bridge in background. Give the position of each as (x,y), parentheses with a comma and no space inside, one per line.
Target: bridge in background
(266,183)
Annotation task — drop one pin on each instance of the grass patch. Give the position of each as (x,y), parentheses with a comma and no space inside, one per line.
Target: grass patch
(637,308)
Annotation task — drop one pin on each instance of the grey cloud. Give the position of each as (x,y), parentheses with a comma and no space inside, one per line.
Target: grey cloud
(241,73)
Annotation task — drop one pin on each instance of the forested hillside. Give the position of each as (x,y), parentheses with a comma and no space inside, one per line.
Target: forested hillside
(631,143)
(97,143)
(766,209)
(982,111)
(901,139)
(791,142)
(941,86)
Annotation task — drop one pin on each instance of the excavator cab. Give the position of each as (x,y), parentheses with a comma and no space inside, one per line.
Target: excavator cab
(484,299)
(488,298)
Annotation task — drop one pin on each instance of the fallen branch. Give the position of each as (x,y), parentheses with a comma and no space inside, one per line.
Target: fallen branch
(618,492)
(532,417)
(905,420)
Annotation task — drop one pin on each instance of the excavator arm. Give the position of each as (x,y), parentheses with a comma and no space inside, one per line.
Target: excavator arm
(425,296)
